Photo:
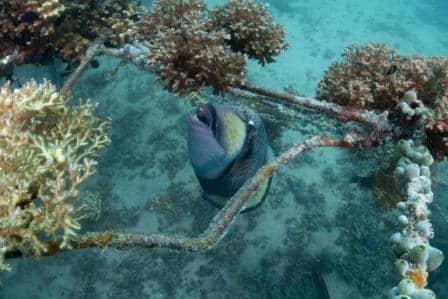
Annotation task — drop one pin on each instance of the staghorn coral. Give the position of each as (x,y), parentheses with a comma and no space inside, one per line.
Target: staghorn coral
(42,28)
(46,150)
(251,29)
(186,52)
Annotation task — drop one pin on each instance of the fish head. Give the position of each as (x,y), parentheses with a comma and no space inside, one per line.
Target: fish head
(216,135)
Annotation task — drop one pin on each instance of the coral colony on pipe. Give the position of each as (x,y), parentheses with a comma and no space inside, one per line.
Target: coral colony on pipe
(47,147)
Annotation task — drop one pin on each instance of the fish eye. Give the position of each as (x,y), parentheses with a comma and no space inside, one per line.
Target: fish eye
(203,114)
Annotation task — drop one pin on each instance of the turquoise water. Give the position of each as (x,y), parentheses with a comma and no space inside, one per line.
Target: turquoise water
(320,226)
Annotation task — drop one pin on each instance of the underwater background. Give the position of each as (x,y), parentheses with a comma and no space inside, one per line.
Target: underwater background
(322,231)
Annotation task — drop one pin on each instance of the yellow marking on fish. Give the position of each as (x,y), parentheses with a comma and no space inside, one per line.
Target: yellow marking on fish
(233,133)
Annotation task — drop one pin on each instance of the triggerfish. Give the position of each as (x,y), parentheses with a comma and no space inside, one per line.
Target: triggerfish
(227,145)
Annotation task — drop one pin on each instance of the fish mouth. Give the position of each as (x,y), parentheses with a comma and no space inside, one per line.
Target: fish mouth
(195,123)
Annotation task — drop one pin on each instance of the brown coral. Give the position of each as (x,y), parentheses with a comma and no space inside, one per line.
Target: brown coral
(376,77)
(413,89)
(166,14)
(192,46)
(251,29)
(186,52)
(43,28)
(27,25)
(202,61)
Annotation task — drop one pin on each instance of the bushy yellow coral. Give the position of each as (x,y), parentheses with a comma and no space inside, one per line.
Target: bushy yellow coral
(46,150)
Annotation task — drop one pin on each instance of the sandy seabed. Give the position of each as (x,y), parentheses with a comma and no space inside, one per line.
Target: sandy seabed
(320,222)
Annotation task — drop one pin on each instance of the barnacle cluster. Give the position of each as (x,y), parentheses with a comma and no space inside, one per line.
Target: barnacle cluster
(43,28)
(46,151)
(251,29)
(413,89)
(415,255)
(192,46)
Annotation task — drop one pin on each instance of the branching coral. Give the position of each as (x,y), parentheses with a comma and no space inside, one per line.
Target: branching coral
(414,90)
(186,52)
(187,59)
(83,22)
(42,28)
(27,25)
(251,29)
(46,150)
(192,47)
(376,77)
(166,14)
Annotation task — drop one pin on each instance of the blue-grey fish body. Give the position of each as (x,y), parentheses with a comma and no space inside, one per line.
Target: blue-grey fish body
(227,145)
